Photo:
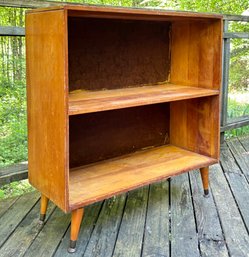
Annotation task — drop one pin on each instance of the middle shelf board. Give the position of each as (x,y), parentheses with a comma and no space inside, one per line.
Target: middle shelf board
(95,182)
(81,102)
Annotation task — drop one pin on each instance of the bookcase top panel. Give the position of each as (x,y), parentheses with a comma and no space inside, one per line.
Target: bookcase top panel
(128,13)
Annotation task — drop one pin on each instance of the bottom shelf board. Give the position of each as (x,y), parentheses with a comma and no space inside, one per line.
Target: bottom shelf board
(95,182)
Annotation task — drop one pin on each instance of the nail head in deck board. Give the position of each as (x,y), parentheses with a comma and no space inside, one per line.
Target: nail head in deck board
(211,239)
(106,229)
(5,204)
(156,234)
(14,215)
(234,229)
(25,233)
(130,236)
(184,240)
(91,213)
(47,241)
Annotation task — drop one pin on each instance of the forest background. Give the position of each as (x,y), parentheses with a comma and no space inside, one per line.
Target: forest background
(13,118)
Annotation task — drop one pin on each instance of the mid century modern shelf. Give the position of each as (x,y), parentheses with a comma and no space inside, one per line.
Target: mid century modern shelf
(119,98)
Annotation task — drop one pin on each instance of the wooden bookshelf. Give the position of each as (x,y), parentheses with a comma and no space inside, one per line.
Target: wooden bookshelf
(81,102)
(104,179)
(119,98)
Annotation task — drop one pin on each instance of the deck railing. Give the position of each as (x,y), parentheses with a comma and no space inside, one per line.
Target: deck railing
(19,171)
(227,37)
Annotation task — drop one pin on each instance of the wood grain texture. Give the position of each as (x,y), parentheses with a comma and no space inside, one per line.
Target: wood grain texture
(183,229)
(49,238)
(13,173)
(236,178)
(130,237)
(23,236)
(245,142)
(196,53)
(6,204)
(204,176)
(210,233)
(90,218)
(88,101)
(106,229)
(197,123)
(76,218)
(234,229)
(104,135)
(156,233)
(47,104)
(126,13)
(241,155)
(11,218)
(130,171)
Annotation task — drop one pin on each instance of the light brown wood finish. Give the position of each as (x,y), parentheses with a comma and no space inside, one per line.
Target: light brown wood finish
(138,104)
(81,101)
(197,123)
(204,177)
(44,206)
(75,223)
(47,104)
(128,172)
(196,56)
(129,13)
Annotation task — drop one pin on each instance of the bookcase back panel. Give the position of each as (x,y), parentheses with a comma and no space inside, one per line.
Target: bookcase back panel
(98,136)
(108,54)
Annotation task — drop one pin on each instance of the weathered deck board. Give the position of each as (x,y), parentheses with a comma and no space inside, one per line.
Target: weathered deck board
(87,225)
(238,183)
(184,240)
(156,233)
(49,238)
(233,226)
(106,229)
(129,241)
(169,218)
(6,204)
(11,219)
(25,233)
(211,239)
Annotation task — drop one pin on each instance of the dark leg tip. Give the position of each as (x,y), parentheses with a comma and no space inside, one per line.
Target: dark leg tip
(72,246)
(206,193)
(42,218)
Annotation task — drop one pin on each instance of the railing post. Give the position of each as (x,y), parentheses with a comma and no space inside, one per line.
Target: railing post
(225,78)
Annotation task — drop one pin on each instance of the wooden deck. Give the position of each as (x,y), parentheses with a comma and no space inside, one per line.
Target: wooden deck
(170,218)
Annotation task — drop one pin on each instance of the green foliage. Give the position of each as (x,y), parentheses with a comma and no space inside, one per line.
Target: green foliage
(237,109)
(15,189)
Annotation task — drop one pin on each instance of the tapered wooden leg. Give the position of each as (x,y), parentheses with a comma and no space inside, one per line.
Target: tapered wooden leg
(44,206)
(75,228)
(204,176)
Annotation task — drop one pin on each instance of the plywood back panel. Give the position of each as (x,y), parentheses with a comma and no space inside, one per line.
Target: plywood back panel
(47,104)
(103,135)
(196,53)
(108,54)
(194,125)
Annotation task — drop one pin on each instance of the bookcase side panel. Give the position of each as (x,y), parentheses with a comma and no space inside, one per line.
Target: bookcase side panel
(194,125)
(46,48)
(196,53)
